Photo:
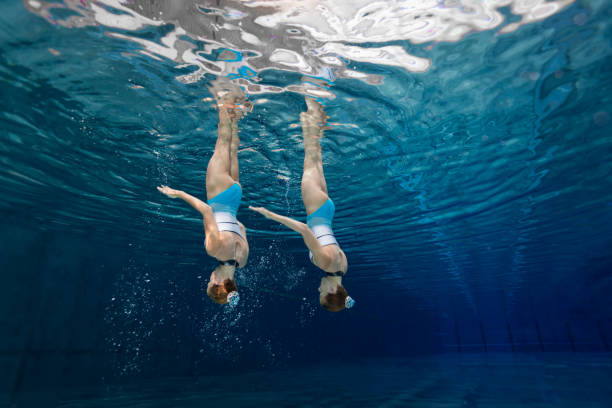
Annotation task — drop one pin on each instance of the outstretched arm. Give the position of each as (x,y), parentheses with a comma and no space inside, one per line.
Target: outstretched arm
(309,239)
(196,203)
(210,225)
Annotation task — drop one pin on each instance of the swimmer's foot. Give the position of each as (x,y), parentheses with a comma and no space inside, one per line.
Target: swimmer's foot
(314,107)
(231,100)
(314,119)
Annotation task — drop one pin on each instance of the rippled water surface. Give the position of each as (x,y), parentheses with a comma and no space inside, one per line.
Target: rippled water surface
(468,154)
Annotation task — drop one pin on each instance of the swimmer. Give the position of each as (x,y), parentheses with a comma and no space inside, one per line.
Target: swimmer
(225,237)
(317,233)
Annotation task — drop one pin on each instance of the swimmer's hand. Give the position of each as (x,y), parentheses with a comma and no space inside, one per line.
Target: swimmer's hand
(309,239)
(195,202)
(289,222)
(266,213)
(170,192)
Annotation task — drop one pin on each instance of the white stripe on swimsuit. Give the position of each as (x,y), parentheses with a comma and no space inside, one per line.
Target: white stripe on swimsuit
(324,235)
(227,222)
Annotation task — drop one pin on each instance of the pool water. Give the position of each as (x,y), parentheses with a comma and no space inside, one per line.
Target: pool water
(451,380)
(467,153)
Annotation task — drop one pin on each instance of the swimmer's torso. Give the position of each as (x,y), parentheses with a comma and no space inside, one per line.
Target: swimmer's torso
(331,259)
(232,233)
(231,246)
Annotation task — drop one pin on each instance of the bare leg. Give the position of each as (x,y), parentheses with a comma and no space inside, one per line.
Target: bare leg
(222,171)
(314,187)
(234,168)
(218,177)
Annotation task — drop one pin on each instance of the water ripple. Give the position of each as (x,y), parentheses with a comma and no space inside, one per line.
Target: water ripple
(455,137)
(317,38)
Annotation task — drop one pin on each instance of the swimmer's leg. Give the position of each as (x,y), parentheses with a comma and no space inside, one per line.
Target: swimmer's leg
(218,173)
(314,187)
(234,168)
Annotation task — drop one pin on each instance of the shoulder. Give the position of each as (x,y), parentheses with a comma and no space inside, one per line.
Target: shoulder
(213,242)
(324,257)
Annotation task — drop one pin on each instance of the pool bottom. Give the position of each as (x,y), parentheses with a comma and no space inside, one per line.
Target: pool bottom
(447,380)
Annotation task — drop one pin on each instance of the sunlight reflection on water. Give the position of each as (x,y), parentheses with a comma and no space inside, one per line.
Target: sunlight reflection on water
(315,38)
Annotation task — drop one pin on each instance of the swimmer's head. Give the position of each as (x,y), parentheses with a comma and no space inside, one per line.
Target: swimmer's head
(333,297)
(218,291)
(221,284)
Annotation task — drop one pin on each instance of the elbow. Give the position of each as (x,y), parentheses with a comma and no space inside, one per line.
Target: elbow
(203,209)
(302,229)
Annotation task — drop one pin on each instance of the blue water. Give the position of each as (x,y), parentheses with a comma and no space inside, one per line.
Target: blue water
(468,157)
(460,380)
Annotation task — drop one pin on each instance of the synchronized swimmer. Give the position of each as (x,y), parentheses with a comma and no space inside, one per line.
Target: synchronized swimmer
(317,233)
(225,236)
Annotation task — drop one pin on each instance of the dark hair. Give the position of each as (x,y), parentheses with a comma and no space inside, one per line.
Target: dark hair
(334,302)
(218,293)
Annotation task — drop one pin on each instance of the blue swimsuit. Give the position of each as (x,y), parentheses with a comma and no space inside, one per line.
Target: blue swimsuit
(320,223)
(225,206)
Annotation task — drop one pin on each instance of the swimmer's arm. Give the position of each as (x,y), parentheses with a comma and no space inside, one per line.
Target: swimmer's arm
(309,239)
(286,221)
(210,225)
(199,205)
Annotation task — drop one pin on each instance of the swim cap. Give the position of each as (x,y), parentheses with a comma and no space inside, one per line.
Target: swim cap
(349,302)
(233,298)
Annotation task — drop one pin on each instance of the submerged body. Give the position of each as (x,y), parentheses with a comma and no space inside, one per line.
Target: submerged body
(320,224)
(317,232)
(225,237)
